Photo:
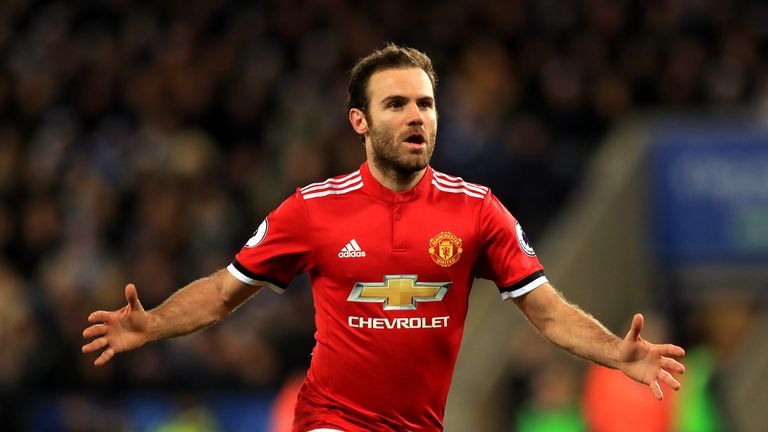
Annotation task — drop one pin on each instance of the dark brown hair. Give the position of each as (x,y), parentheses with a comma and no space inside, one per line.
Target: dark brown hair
(389,57)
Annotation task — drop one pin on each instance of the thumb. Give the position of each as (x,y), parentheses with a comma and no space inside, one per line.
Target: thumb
(637,326)
(132,297)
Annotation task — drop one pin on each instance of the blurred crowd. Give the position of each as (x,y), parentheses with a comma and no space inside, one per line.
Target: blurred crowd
(144,141)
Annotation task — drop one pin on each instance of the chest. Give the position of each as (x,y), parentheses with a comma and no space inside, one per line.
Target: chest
(368,239)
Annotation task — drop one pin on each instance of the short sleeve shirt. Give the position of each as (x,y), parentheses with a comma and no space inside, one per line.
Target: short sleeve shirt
(391,276)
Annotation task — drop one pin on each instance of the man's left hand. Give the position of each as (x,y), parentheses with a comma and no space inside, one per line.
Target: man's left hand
(649,363)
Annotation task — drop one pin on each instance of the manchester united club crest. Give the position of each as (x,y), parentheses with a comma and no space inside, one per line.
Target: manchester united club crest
(445,248)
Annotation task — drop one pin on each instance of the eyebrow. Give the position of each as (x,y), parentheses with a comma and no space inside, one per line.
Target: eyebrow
(400,98)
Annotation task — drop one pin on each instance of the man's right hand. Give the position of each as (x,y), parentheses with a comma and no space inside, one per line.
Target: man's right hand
(117,331)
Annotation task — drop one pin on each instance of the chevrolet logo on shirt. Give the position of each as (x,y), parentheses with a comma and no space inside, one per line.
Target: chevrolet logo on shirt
(399,292)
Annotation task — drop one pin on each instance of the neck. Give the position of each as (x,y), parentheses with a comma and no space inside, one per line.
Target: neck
(395,180)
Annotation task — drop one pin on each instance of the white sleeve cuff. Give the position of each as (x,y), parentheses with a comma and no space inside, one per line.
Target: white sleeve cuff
(250,281)
(525,289)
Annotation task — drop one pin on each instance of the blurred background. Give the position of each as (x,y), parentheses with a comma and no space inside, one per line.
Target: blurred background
(145,142)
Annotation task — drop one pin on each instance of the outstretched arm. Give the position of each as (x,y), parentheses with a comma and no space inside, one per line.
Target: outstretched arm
(197,305)
(571,328)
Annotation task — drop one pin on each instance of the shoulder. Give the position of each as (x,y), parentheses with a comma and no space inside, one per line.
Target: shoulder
(448,184)
(333,186)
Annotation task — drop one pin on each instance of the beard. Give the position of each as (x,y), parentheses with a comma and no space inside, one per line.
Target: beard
(393,157)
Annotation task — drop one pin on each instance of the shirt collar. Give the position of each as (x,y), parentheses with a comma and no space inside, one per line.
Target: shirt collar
(378,190)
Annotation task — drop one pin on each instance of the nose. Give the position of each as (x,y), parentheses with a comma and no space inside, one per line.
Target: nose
(415,116)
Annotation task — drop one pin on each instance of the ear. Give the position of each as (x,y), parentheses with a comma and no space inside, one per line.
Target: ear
(359,123)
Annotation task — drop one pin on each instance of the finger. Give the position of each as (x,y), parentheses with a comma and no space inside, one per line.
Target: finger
(669,380)
(98,316)
(656,390)
(104,357)
(637,326)
(131,296)
(672,365)
(96,344)
(94,330)
(670,350)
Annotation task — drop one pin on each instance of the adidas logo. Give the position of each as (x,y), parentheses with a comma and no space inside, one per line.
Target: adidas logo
(351,250)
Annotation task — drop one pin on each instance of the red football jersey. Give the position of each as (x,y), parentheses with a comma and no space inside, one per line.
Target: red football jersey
(391,275)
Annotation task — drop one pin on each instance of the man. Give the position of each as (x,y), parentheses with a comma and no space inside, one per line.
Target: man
(392,250)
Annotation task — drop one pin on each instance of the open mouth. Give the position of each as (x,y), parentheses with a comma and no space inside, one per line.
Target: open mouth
(415,138)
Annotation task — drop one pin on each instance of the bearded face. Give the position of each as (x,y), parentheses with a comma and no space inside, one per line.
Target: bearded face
(404,152)
(401,121)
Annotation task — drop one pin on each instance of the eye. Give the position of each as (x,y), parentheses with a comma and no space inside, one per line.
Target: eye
(395,104)
(426,104)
